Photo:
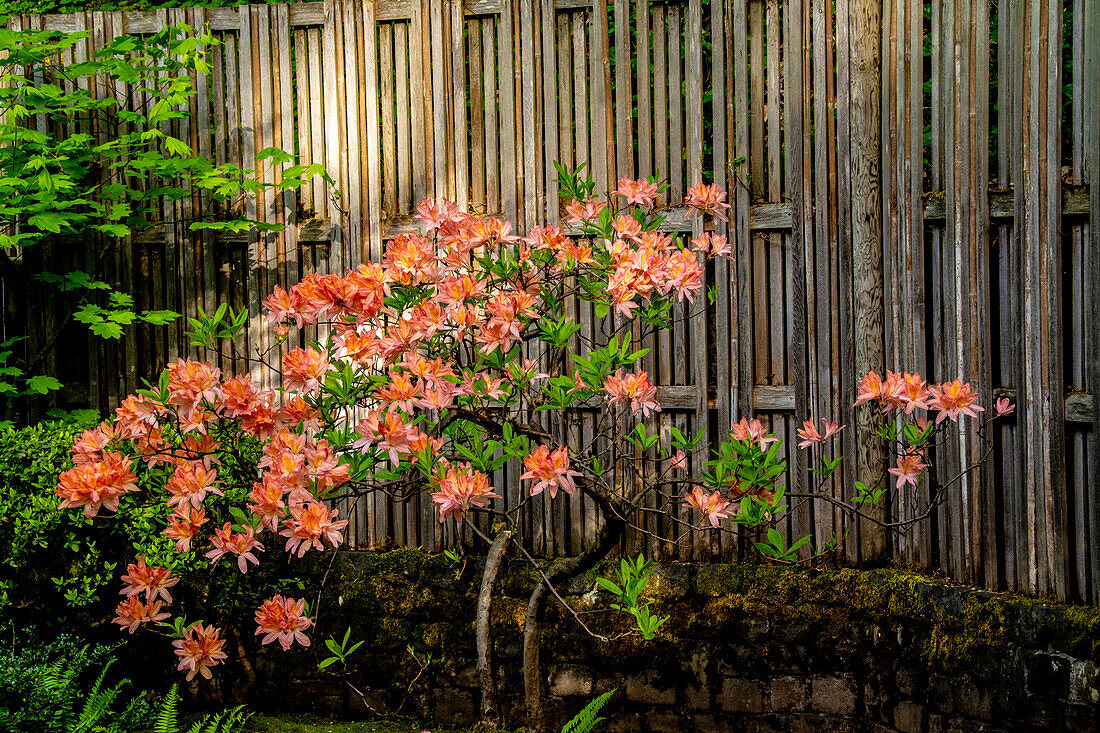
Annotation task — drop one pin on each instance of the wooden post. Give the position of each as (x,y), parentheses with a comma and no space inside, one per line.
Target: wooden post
(865,110)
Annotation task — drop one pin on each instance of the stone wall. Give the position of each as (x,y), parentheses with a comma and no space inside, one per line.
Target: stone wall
(746,648)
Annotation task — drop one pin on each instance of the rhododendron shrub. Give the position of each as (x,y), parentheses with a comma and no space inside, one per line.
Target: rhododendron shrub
(453,356)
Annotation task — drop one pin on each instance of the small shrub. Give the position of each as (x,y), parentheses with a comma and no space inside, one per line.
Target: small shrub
(63,686)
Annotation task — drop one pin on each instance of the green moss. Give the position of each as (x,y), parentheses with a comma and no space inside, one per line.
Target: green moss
(407,597)
(312,724)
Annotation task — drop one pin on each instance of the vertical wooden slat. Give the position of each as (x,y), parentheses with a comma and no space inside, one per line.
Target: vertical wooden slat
(475,118)
(1090,34)
(603,130)
(389,119)
(490,123)
(549,128)
(508,85)
(458,107)
(624,101)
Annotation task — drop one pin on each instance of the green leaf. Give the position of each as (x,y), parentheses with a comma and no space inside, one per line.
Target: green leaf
(49,221)
(42,384)
(107,329)
(159,318)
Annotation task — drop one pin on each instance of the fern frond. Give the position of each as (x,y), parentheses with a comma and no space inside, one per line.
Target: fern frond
(98,702)
(586,720)
(168,718)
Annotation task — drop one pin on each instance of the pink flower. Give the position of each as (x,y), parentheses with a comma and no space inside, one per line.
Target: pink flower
(679,461)
(1003,407)
(152,581)
(199,649)
(633,387)
(282,619)
(712,506)
(550,471)
(908,470)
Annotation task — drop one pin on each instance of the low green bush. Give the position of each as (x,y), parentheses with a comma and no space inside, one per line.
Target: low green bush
(58,568)
(66,685)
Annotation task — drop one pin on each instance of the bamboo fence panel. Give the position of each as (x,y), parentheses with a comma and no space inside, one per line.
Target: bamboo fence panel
(989,264)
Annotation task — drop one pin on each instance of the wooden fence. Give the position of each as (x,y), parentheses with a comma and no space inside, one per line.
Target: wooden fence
(919,204)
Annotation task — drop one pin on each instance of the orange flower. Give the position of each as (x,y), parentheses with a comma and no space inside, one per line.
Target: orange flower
(582,211)
(152,581)
(267,501)
(190,483)
(459,489)
(199,649)
(304,369)
(639,192)
(634,387)
(132,613)
(874,387)
(952,399)
(95,485)
(809,434)
(712,506)
(550,471)
(710,243)
(309,523)
(400,392)
(89,447)
(240,544)
(908,469)
(282,620)
(182,525)
(752,431)
(708,200)
(190,384)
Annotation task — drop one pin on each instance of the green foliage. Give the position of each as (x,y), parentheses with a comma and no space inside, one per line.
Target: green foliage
(49,558)
(586,720)
(224,323)
(634,576)
(340,650)
(56,688)
(227,721)
(80,165)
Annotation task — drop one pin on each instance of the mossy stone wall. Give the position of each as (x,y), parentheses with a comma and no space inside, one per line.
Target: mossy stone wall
(747,648)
